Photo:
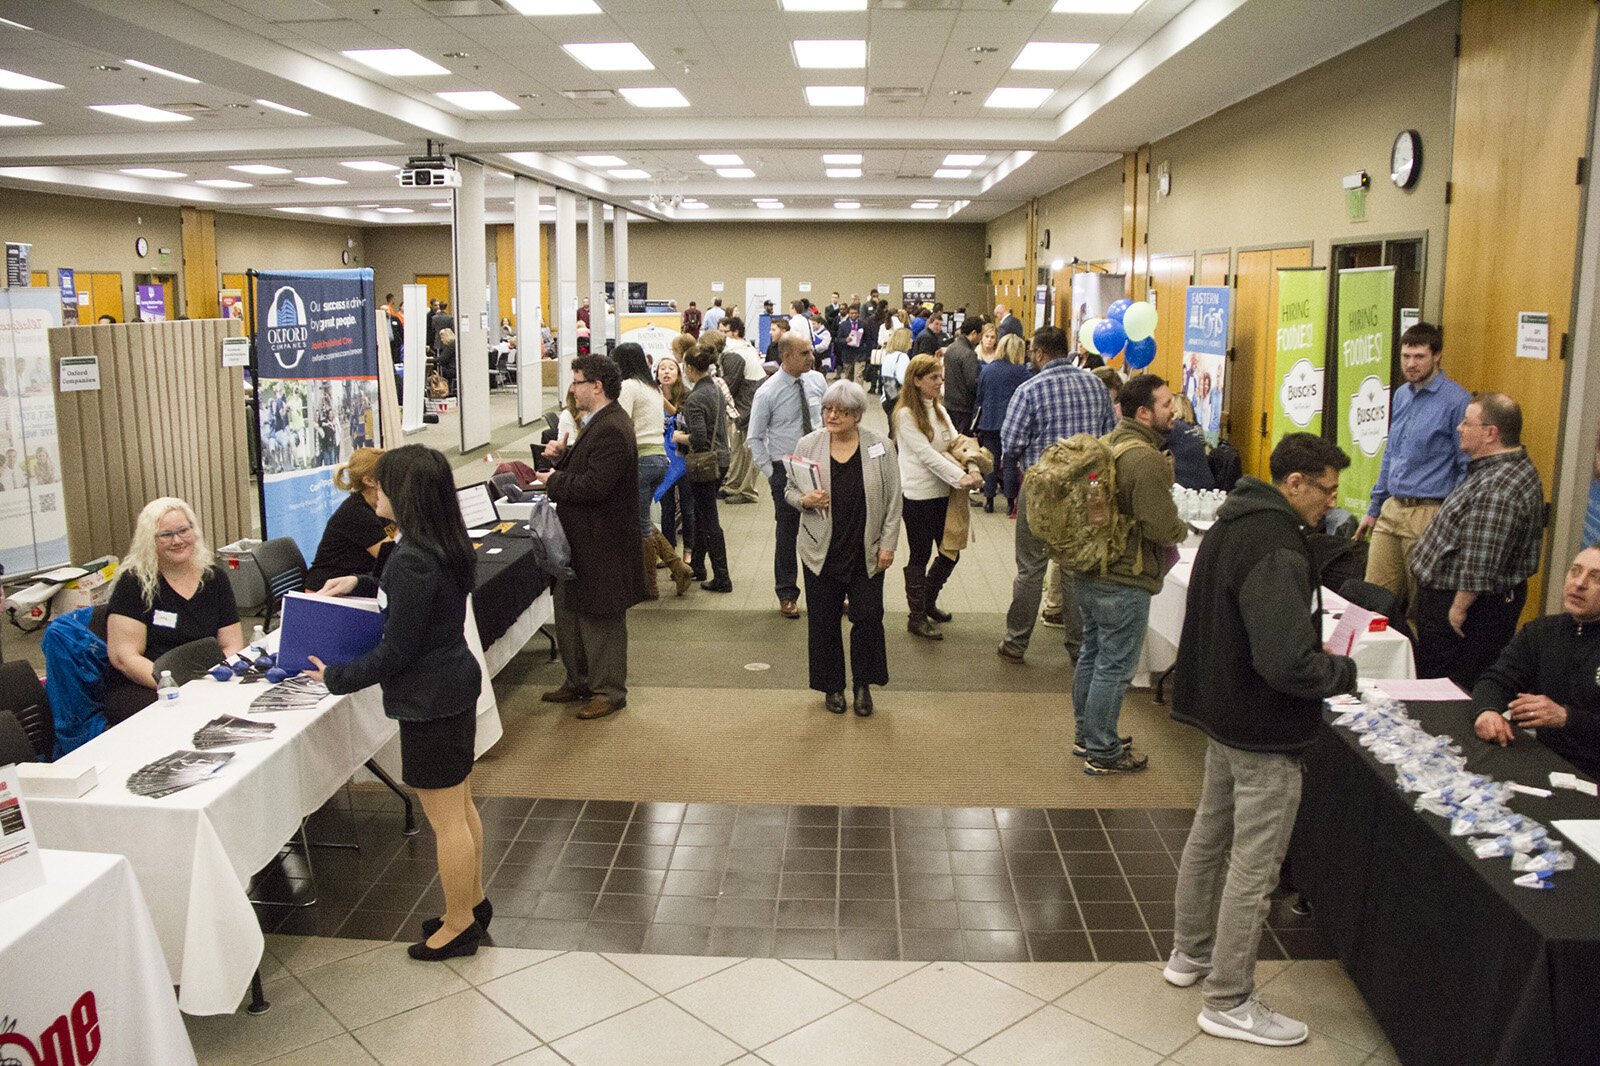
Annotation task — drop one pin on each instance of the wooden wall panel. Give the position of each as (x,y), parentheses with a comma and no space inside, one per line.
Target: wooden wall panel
(198,243)
(505,257)
(1213,269)
(1249,384)
(1169,277)
(1141,221)
(1130,212)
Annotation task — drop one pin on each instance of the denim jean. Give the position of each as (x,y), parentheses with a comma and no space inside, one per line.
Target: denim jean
(1114,620)
(652,472)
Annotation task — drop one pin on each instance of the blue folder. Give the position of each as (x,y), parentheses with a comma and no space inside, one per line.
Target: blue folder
(335,630)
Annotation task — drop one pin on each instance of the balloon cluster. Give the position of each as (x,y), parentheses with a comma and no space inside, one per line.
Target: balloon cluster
(1127,329)
(246,668)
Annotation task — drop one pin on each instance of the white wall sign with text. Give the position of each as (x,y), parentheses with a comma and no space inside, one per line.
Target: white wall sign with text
(80,373)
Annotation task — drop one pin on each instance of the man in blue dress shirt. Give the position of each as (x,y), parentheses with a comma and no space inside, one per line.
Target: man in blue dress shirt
(788,405)
(1422,462)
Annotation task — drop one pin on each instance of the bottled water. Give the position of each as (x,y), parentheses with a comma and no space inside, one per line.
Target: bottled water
(166,688)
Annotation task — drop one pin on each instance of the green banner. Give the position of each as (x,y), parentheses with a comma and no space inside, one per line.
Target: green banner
(1301,318)
(1365,355)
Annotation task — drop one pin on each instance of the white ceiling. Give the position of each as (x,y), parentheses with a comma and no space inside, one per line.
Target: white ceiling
(1167,64)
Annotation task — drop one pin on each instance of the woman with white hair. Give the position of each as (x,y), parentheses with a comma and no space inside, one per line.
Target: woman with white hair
(849,528)
(170,592)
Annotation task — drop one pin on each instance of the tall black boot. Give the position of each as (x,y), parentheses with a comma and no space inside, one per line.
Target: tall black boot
(916,605)
(938,574)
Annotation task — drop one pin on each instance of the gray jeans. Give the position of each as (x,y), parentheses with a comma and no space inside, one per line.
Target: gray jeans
(1028,588)
(1231,864)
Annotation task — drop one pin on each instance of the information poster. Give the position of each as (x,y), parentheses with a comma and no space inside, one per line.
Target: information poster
(1365,352)
(1205,353)
(152,303)
(317,393)
(918,290)
(17,273)
(33,519)
(1300,323)
(68,283)
(230,303)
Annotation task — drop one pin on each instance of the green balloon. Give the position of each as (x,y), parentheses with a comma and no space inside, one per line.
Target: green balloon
(1140,321)
(1086,335)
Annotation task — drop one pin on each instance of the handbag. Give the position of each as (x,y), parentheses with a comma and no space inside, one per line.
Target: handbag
(703,466)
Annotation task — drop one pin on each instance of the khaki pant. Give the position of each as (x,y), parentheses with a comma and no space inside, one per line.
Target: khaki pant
(1397,531)
(741,480)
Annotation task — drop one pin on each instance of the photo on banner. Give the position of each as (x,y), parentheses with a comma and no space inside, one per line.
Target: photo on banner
(1205,354)
(1364,345)
(33,519)
(316,351)
(1300,336)
(1092,294)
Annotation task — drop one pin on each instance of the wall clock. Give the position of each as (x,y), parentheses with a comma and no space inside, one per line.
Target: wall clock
(1405,159)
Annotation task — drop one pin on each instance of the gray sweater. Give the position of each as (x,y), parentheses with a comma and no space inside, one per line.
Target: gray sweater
(705,419)
(880,476)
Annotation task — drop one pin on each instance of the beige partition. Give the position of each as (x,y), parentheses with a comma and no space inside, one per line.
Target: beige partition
(167,420)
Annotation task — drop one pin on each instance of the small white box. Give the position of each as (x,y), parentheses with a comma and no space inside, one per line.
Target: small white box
(513,512)
(42,780)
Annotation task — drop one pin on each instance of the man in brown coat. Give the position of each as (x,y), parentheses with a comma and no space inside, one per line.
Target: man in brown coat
(595,488)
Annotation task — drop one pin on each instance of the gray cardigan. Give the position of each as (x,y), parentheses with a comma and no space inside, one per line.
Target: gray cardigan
(880,475)
(705,419)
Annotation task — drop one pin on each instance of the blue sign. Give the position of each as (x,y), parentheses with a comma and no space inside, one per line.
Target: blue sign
(69,296)
(316,393)
(1205,352)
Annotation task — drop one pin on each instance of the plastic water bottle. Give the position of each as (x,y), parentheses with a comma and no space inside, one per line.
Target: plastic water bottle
(258,643)
(166,688)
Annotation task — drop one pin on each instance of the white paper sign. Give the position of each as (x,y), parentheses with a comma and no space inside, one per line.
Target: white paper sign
(80,373)
(805,286)
(1533,335)
(1353,625)
(716,286)
(20,868)
(236,351)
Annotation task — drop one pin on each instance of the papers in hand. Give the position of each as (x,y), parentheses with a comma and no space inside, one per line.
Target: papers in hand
(1353,624)
(295,694)
(1421,688)
(804,474)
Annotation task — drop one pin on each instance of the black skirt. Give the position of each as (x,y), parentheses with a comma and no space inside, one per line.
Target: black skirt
(437,753)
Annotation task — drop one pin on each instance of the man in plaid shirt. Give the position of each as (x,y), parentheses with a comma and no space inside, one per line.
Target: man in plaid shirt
(1473,562)
(1058,401)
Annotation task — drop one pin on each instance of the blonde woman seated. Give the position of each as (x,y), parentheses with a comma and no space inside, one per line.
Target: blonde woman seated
(170,592)
(849,528)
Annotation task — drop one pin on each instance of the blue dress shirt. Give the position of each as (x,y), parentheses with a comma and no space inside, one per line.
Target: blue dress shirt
(776,424)
(1423,458)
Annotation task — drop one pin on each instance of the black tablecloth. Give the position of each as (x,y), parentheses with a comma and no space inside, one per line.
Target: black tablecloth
(1457,963)
(508,581)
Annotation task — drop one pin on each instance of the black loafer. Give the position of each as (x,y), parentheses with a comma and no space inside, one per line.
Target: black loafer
(483,913)
(465,943)
(834,701)
(863,701)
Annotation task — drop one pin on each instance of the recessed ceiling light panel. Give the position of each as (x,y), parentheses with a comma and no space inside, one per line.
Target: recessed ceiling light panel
(735,172)
(695,205)
(555,7)
(14,120)
(10,79)
(723,160)
(153,172)
(1053,55)
(258,168)
(372,166)
(318,180)
(1096,7)
(842,159)
(953,172)
(223,183)
(478,100)
(770,205)
(630,174)
(140,113)
(836,95)
(824,5)
(847,205)
(617,55)
(601,160)
(957,159)
(830,55)
(396,62)
(663,96)
(925,205)
(1018,99)
(395,210)
(163,71)
(285,108)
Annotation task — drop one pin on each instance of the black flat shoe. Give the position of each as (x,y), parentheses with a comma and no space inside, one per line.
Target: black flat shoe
(863,701)
(720,585)
(988,505)
(834,701)
(483,912)
(465,943)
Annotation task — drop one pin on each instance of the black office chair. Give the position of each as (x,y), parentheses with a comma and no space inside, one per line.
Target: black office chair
(14,744)
(24,697)
(1377,598)
(97,620)
(283,569)
(504,485)
(191,661)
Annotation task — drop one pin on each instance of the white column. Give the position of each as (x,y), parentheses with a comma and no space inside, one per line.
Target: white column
(530,291)
(469,293)
(416,356)
(619,267)
(566,288)
(597,276)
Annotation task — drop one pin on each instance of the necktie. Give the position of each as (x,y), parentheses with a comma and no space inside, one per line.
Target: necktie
(805,407)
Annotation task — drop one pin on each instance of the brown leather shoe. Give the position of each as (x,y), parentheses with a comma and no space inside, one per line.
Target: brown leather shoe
(599,707)
(566,694)
(789,608)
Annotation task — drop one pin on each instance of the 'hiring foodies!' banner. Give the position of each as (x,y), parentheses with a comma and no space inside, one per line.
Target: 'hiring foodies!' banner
(1301,322)
(316,351)
(1205,353)
(1365,349)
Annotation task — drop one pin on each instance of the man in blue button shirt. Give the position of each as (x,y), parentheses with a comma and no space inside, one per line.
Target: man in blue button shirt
(1422,462)
(788,405)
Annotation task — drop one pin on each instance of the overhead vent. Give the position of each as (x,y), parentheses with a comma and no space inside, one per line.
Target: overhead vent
(590,95)
(897,92)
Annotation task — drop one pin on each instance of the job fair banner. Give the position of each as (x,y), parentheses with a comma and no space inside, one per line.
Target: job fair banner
(1205,353)
(1365,354)
(1301,329)
(33,517)
(316,357)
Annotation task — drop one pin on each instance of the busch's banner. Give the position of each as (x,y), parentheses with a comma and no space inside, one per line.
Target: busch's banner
(316,349)
(1300,328)
(1205,354)
(1365,355)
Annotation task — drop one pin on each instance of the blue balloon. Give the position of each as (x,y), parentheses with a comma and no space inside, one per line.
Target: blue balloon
(1141,354)
(1117,310)
(1109,337)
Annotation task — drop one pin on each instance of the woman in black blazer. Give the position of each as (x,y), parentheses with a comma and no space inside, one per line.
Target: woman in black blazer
(429,676)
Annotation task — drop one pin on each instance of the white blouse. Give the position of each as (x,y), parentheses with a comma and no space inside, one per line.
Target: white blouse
(926,470)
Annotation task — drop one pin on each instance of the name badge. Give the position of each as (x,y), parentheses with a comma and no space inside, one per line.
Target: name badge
(875,451)
(165,619)
(383,600)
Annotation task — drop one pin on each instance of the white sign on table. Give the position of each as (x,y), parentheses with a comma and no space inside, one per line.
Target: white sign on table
(20,869)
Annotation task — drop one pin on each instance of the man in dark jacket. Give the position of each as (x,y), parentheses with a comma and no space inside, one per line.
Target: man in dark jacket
(961,374)
(595,486)
(851,341)
(1252,675)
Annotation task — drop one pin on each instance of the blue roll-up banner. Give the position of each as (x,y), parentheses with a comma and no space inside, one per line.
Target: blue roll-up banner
(317,393)
(1205,353)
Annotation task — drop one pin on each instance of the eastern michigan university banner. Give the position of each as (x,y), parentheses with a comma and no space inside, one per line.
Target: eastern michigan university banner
(316,351)
(1205,351)
(1365,355)
(1301,317)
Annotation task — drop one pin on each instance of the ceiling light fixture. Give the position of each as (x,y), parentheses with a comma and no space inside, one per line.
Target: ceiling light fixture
(319,180)
(285,108)
(1096,7)
(478,100)
(770,205)
(829,55)
(14,120)
(843,172)
(258,168)
(617,55)
(735,172)
(953,172)
(395,211)
(958,159)
(1018,99)
(432,203)
(847,205)
(223,183)
(601,160)
(163,71)
(555,7)
(824,5)
(396,62)
(842,159)
(925,205)
(372,166)
(1053,55)
(140,113)
(661,96)
(724,160)
(836,95)
(10,79)
(153,172)
(630,174)
(18,25)
(694,205)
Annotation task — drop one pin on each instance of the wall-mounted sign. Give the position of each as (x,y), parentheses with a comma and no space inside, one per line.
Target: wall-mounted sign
(236,351)
(80,373)
(1533,335)
(918,289)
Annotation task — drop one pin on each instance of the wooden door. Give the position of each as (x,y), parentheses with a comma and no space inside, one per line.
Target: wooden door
(105,297)
(438,286)
(39,279)
(1250,375)
(1170,277)
(1213,268)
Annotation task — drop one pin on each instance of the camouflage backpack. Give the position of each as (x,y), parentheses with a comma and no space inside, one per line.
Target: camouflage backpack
(1071,497)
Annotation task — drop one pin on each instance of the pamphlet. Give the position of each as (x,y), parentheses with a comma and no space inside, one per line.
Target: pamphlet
(176,772)
(1421,688)
(20,867)
(295,694)
(227,729)
(1353,624)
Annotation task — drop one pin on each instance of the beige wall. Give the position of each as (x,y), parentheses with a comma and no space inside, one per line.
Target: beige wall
(1084,218)
(397,254)
(246,242)
(1007,239)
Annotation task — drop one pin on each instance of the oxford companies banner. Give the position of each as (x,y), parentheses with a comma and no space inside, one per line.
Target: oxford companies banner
(316,352)
(1205,353)
(1301,323)
(1365,347)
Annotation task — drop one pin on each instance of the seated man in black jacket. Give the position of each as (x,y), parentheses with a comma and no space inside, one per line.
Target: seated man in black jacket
(1548,678)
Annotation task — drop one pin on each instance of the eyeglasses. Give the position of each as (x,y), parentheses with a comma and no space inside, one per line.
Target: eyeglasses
(170,535)
(583,381)
(839,412)
(1326,490)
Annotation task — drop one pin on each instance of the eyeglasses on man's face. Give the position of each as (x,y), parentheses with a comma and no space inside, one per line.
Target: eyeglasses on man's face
(167,536)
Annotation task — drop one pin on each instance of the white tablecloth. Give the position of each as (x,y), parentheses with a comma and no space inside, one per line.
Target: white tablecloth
(82,948)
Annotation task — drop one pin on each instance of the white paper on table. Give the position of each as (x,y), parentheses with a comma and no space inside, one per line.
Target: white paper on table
(20,867)
(804,474)
(1353,625)
(1422,689)
(1584,832)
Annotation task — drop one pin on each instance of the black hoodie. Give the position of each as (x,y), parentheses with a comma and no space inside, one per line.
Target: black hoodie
(1251,671)
(1556,656)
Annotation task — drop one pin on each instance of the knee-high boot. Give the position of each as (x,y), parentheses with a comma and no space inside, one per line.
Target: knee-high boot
(938,574)
(651,592)
(917,605)
(682,576)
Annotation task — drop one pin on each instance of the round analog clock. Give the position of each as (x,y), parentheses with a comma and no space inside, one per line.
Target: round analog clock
(345,256)
(1405,159)
(141,247)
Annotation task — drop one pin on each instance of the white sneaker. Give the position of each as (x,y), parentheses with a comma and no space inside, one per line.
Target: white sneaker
(1183,971)
(1255,1022)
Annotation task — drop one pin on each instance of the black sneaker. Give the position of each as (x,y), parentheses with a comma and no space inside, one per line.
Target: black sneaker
(1081,752)
(1128,762)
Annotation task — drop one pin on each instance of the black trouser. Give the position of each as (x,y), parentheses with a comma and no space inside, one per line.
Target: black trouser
(924,525)
(123,698)
(869,661)
(785,566)
(1490,625)
(708,541)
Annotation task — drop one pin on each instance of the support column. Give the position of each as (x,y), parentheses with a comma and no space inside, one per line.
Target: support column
(468,289)
(566,288)
(597,277)
(619,268)
(530,301)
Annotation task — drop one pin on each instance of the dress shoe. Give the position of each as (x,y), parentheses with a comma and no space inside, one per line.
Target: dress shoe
(483,912)
(721,584)
(863,701)
(599,707)
(789,608)
(834,701)
(1009,654)
(988,505)
(465,943)
(566,694)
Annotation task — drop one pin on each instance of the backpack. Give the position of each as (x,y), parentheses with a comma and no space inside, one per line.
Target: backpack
(1071,499)
(1226,466)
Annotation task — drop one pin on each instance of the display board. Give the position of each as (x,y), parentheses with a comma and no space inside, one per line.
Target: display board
(1301,325)
(66,280)
(1206,312)
(33,518)
(316,371)
(918,290)
(1364,345)
(1092,294)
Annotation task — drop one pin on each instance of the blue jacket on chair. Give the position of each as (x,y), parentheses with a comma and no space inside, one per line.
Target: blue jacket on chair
(75,662)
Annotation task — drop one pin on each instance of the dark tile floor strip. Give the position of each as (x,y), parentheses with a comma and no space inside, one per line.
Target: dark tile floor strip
(765,880)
